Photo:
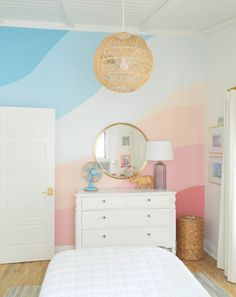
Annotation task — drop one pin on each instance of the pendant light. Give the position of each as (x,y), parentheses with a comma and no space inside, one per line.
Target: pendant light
(123,61)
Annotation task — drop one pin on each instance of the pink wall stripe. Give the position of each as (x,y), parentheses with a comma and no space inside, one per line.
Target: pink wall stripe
(65,226)
(190,202)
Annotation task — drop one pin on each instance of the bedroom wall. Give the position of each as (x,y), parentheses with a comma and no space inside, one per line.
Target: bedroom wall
(221,67)
(43,68)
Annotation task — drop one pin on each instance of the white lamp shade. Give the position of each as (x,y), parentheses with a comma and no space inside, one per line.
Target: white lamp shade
(159,150)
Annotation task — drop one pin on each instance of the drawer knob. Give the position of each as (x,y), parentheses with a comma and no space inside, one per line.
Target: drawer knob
(104,201)
(149,234)
(148,215)
(104,236)
(104,217)
(149,200)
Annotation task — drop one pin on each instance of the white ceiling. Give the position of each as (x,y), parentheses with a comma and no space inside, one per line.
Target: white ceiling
(106,15)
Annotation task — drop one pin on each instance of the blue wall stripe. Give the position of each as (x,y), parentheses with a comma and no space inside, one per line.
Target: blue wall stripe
(22,50)
(47,68)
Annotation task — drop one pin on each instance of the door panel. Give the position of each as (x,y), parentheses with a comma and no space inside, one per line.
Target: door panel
(19,152)
(16,209)
(26,125)
(27,169)
(26,180)
(19,235)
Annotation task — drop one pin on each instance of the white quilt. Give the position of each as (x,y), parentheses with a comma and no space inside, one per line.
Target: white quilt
(119,272)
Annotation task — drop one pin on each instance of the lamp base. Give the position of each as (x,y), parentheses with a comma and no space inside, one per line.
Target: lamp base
(160,176)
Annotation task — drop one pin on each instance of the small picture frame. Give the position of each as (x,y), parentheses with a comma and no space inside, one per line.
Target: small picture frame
(216,140)
(125,140)
(125,160)
(215,169)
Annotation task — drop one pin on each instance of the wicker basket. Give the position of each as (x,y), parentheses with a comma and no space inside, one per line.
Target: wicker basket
(190,238)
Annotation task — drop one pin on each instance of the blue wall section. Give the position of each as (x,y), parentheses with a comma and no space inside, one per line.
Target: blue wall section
(47,68)
(22,50)
(58,64)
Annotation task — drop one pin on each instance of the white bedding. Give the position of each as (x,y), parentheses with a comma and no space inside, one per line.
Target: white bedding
(119,272)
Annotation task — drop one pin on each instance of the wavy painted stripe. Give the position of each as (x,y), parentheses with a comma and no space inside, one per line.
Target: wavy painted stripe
(189,201)
(192,95)
(22,50)
(63,80)
(183,125)
(65,227)
(186,170)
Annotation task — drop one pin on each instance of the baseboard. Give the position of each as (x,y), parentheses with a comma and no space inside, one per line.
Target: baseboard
(210,249)
(59,249)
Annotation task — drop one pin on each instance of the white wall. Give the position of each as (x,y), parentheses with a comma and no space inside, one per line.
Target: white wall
(221,75)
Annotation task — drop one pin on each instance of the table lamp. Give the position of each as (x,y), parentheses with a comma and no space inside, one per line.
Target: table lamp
(159,151)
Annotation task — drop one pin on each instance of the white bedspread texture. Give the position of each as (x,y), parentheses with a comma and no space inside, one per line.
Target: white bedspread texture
(119,272)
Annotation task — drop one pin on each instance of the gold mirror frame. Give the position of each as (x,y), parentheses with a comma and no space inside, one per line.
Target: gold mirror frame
(95,145)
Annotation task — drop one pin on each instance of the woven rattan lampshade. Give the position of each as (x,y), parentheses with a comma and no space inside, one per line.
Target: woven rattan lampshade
(123,62)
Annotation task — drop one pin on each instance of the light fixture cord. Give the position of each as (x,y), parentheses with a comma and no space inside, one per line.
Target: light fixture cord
(123,16)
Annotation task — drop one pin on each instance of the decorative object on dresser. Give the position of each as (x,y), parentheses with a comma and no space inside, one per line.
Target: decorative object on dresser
(159,151)
(125,217)
(92,173)
(120,150)
(145,181)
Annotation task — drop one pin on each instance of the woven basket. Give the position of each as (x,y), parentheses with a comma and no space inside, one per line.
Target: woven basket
(190,231)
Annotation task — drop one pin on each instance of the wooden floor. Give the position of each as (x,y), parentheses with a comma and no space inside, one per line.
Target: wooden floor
(20,274)
(32,273)
(208,265)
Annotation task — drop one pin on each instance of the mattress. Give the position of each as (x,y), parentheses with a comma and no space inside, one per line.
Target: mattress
(119,272)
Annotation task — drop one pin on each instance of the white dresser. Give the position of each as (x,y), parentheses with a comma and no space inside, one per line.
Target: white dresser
(125,217)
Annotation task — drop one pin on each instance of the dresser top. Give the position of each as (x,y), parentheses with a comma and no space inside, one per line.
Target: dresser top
(123,191)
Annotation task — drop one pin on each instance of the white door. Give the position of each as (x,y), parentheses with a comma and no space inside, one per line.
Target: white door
(27,170)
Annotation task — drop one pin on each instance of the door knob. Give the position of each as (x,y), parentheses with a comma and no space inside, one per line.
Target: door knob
(49,192)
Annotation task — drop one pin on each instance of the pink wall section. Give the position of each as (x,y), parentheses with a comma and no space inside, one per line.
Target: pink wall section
(185,174)
(190,201)
(65,226)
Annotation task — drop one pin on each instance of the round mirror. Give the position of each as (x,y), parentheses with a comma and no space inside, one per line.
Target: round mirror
(120,150)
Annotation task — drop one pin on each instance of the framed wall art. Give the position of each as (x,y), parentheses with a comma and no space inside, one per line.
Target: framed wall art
(216,140)
(126,140)
(125,160)
(215,169)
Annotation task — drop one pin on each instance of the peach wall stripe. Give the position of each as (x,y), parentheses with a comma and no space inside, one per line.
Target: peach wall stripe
(65,226)
(186,170)
(192,95)
(69,180)
(189,201)
(182,125)
(126,109)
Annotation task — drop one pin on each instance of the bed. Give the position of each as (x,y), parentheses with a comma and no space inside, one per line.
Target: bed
(119,272)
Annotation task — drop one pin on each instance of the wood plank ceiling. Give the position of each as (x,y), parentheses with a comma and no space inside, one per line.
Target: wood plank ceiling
(97,15)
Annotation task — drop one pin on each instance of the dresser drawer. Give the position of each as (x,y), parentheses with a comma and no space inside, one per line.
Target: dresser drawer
(102,202)
(148,201)
(146,236)
(125,218)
